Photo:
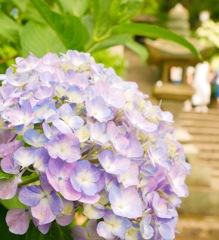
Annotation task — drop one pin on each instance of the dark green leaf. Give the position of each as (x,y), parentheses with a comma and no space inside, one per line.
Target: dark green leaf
(138,48)
(5,233)
(153,31)
(8,28)
(4,175)
(68,29)
(56,232)
(39,39)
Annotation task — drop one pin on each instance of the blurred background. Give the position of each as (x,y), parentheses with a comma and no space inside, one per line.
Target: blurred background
(165,70)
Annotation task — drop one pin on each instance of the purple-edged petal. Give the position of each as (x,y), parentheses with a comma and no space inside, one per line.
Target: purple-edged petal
(113,164)
(79,233)
(42,212)
(18,220)
(24,156)
(64,146)
(130,177)
(126,202)
(9,148)
(30,195)
(94,211)
(8,187)
(8,165)
(147,230)
(67,214)
(34,138)
(58,174)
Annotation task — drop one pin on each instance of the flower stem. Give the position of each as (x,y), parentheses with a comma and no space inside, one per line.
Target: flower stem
(29,179)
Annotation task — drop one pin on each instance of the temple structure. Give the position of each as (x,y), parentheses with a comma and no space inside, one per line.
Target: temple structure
(175,59)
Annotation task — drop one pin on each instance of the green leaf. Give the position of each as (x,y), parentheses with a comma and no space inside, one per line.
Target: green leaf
(121,11)
(68,29)
(75,7)
(153,31)
(39,39)
(138,48)
(8,28)
(101,17)
(110,42)
(56,232)
(5,233)
(4,175)
(12,203)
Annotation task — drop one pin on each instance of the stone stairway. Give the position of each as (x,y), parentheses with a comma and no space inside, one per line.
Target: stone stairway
(199,213)
(204,129)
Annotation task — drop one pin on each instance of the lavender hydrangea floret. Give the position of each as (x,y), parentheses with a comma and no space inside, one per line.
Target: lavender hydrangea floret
(75,137)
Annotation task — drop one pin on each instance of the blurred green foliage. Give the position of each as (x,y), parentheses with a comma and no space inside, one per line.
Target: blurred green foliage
(39,27)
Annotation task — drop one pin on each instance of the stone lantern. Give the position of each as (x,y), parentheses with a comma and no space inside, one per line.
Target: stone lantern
(173,58)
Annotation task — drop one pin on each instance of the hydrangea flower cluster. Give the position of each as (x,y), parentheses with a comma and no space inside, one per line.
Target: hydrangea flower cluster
(75,136)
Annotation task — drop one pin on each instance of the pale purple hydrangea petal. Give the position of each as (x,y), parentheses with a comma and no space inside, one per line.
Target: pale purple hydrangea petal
(43,92)
(31,195)
(166,228)
(9,148)
(176,176)
(126,202)
(79,233)
(6,135)
(160,206)
(113,164)
(146,228)
(8,165)
(74,94)
(49,132)
(140,122)
(126,146)
(44,202)
(42,212)
(18,220)
(44,110)
(85,178)
(130,177)
(25,156)
(41,159)
(98,133)
(44,228)
(89,199)
(82,133)
(34,138)
(19,116)
(64,146)
(97,108)
(9,187)
(67,214)
(58,174)
(113,226)
(116,98)
(94,211)
(133,233)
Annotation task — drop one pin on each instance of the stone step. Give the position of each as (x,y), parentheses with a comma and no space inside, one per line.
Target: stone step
(200,138)
(211,156)
(213,147)
(199,227)
(211,111)
(199,116)
(201,201)
(195,123)
(203,131)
